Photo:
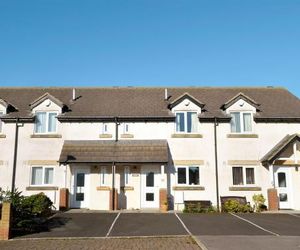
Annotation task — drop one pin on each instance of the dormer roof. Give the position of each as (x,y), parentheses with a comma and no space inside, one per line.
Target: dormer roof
(240,96)
(183,97)
(44,97)
(9,107)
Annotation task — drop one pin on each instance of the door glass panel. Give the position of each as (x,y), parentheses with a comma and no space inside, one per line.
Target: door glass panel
(283,197)
(150,179)
(149,196)
(80,197)
(281,180)
(80,180)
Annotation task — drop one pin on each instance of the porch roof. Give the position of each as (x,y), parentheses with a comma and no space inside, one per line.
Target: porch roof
(279,148)
(108,151)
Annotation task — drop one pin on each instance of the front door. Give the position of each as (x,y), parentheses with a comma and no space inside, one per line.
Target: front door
(150,187)
(283,185)
(80,199)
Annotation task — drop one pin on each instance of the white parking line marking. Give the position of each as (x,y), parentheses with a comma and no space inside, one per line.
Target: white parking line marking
(252,223)
(112,225)
(200,244)
(295,215)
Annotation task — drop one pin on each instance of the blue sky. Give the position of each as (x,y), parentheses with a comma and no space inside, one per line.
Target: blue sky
(150,43)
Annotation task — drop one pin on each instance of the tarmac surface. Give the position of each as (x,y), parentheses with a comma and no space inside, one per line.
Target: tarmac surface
(209,231)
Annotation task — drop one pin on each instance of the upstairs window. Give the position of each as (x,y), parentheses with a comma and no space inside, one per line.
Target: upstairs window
(104,128)
(243,176)
(188,175)
(186,122)
(1,124)
(241,122)
(126,128)
(45,122)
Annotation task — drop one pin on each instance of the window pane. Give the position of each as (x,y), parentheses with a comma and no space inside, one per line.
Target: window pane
(126,175)
(235,122)
(104,128)
(103,174)
(247,122)
(179,122)
(37,176)
(237,174)
(194,175)
(150,179)
(281,180)
(250,176)
(48,176)
(149,196)
(52,122)
(40,122)
(192,122)
(181,173)
(80,180)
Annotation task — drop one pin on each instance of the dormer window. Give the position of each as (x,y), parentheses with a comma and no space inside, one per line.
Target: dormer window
(45,122)
(186,122)
(241,122)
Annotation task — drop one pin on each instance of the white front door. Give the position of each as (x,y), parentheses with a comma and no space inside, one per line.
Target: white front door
(81,184)
(150,187)
(284,186)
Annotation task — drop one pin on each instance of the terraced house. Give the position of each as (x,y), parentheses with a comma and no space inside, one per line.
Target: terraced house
(136,148)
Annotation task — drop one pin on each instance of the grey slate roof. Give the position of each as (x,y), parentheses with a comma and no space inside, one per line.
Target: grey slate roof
(149,102)
(125,151)
(279,147)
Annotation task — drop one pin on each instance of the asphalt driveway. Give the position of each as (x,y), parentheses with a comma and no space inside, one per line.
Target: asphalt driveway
(214,231)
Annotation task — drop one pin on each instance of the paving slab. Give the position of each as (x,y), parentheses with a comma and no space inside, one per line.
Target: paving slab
(77,225)
(165,243)
(218,224)
(282,224)
(147,224)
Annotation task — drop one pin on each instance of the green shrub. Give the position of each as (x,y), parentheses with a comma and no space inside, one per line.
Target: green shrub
(199,209)
(259,203)
(28,211)
(233,206)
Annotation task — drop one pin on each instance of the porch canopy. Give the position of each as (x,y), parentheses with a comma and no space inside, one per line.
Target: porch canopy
(281,148)
(108,151)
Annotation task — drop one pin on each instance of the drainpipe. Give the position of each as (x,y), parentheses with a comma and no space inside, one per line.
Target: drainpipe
(117,129)
(15,155)
(113,170)
(216,162)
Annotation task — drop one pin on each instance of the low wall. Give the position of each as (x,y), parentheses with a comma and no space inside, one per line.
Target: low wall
(5,221)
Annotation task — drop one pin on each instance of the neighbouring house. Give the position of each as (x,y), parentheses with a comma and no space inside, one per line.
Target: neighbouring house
(136,148)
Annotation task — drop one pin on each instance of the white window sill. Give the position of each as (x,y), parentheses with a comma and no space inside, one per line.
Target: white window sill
(244,188)
(242,135)
(41,187)
(46,136)
(186,135)
(188,187)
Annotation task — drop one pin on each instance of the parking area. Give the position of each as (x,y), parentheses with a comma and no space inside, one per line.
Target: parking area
(213,230)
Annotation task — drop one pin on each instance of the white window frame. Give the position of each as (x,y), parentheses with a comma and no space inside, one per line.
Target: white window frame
(103,176)
(242,121)
(104,128)
(187,176)
(43,176)
(47,122)
(1,122)
(186,122)
(128,175)
(126,128)
(244,176)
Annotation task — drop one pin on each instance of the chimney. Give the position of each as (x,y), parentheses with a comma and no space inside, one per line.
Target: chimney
(166,94)
(73,94)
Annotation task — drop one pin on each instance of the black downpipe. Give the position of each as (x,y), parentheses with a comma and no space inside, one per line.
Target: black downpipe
(216,163)
(117,128)
(15,156)
(113,170)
